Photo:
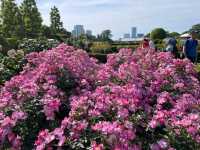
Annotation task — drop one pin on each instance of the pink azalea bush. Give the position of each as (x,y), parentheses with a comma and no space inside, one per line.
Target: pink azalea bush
(137,100)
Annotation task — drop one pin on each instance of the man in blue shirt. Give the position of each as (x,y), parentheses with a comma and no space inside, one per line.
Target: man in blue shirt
(190,47)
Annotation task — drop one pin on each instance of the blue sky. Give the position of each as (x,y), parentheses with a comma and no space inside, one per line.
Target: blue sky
(121,15)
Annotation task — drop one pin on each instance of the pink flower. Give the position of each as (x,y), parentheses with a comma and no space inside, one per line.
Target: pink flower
(155,147)
(96,146)
(51,107)
(163,143)
(123,113)
(179,86)
(153,124)
(110,102)
(192,130)
(18,116)
(164,97)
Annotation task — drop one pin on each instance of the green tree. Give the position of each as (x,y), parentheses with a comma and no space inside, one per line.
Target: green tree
(174,34)
(196,28)
(106,35)
(56,24)
(20,31)
(11,19)
(1,25)
(158,33)
(31,18)
(46,31)
(148,35)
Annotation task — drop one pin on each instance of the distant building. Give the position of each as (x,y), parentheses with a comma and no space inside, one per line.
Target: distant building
(130,39)
(89,32)
(133,32)
(134,36)
(127,36)
(78,30)
(140,35)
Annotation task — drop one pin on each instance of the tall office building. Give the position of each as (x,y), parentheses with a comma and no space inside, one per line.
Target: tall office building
(140,35)
(133,32)
(78,30)
(127,36)
(89,32)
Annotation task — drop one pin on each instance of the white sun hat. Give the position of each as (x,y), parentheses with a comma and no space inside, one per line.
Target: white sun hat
(185,35)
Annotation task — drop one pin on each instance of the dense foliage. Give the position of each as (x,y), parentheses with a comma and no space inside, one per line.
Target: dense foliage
(56,24)
(37,45)
(11,64)
(32,19)
(101,47)
(196,28)
(106,35)
(11,19)
(24,21)
(12,61)
(136,100)
(158,33)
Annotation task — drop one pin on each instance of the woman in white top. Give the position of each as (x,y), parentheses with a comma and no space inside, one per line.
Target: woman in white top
(151,44)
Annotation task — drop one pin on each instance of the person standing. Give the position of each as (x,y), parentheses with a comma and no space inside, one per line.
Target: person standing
(171,46)
(151,44)
(190,48)
(182,43)
(145,43)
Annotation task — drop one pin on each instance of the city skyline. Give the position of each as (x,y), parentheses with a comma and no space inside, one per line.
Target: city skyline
(79,30)
(133,34)
(120,15)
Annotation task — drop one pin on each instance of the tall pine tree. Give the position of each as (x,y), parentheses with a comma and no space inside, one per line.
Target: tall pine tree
(11,19)
(31,18)
(56,24)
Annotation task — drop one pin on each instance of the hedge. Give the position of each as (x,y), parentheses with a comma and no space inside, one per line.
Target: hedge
(101,57)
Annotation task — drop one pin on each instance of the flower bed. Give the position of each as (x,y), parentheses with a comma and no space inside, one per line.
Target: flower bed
(136,100)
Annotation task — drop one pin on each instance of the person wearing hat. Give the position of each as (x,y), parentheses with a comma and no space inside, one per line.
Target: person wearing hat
(190,48)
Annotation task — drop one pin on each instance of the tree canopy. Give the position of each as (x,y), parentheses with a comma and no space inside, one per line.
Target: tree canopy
(174,34)
(158,33)
(11,19)
(106,35)
(56,24)
(196,28)
(31,18)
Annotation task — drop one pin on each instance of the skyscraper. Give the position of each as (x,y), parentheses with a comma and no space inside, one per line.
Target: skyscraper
(127,36)
(89,32)
(133,32)
(78,30)
(140,35)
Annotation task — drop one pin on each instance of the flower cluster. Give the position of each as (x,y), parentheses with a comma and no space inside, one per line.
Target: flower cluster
(134,101)
(39,82)
(10,64)
(7,123)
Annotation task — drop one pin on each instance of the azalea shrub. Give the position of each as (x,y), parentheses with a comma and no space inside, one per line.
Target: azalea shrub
(64,99)
(11,64)
(37,45)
